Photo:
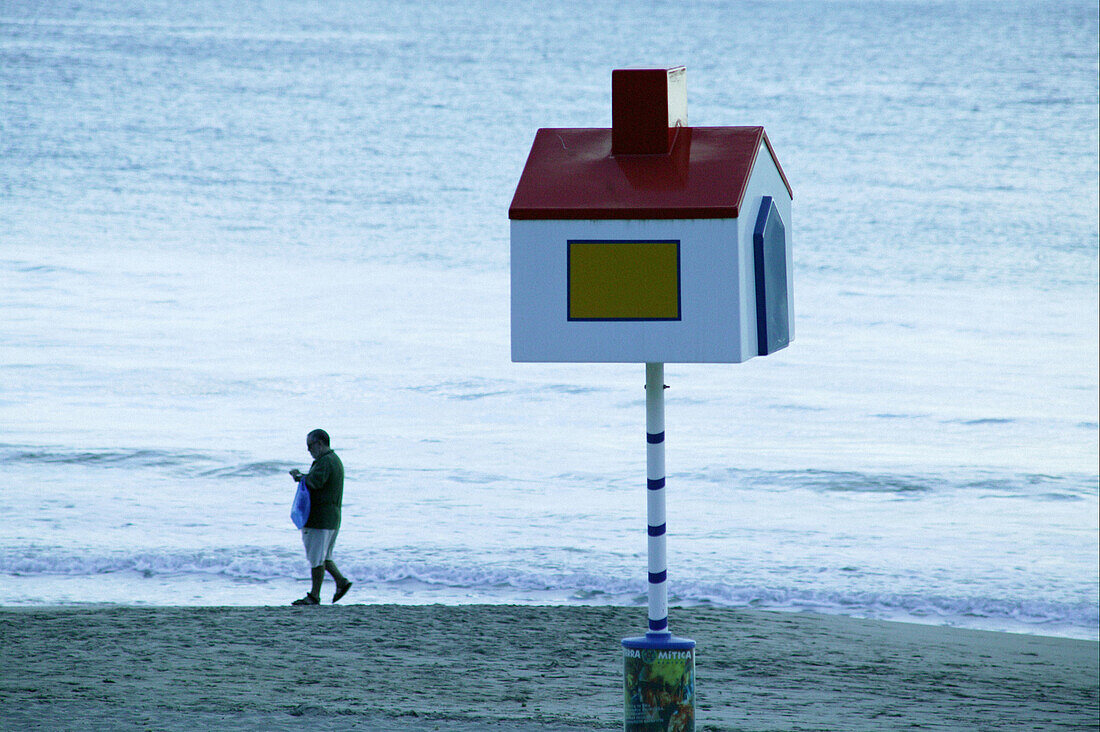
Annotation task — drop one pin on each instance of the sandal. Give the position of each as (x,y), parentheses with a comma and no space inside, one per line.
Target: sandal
(307,600)
(341,591)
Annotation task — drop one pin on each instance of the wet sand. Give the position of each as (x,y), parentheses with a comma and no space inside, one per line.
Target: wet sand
(520,669)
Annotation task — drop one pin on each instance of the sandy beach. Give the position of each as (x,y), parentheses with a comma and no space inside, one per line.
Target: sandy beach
(391,667)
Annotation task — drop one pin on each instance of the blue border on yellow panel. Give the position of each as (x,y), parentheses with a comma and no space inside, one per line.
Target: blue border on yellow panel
(569,282)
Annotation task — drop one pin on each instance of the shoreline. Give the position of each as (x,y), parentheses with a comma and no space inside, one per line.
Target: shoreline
(521,668)
(1065,632)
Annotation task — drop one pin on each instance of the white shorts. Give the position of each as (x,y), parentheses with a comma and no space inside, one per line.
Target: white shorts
(318,544)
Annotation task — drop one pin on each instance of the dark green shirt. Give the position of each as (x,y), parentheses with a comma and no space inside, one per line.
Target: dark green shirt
(325,481)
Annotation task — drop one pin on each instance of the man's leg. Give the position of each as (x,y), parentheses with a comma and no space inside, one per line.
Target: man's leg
(343,584)
(330,567)
(310,541)
(317,575)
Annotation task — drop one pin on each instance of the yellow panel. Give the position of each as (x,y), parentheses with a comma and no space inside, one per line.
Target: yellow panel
(624,280)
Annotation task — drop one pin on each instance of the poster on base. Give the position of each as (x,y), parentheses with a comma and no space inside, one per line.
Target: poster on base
(659,690)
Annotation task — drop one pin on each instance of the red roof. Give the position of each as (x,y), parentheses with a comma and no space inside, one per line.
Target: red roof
(571,174)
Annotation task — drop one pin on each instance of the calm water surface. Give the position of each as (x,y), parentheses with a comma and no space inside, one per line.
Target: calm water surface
(225,224)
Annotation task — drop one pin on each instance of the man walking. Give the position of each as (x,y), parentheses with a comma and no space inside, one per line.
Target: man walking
(325,482)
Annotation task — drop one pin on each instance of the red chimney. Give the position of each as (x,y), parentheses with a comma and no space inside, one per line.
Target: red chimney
(647,105)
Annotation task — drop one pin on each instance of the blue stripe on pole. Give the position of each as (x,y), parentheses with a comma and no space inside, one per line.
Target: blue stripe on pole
(656,578)
(659,624)
(655,485)
(656,439)
(657,530)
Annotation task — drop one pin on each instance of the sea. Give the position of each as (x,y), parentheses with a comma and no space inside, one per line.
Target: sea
(226,223)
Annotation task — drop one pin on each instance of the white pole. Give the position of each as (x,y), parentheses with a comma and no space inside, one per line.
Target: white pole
(655,514)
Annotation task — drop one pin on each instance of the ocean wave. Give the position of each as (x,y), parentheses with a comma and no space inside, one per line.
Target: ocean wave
(14,454)
(173,462)
(1026,485)
(483,583)
(29,268)
(248,470)
(902,606)
(833,481)
(239,563)
(482,388)
(228,465)
(465,390)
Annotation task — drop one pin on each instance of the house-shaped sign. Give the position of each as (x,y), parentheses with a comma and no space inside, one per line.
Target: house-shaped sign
(651,241)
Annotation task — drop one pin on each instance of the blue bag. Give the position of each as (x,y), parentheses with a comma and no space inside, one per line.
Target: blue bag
(299,510)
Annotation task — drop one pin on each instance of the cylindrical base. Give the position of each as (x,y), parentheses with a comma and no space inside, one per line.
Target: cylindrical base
(659,683)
